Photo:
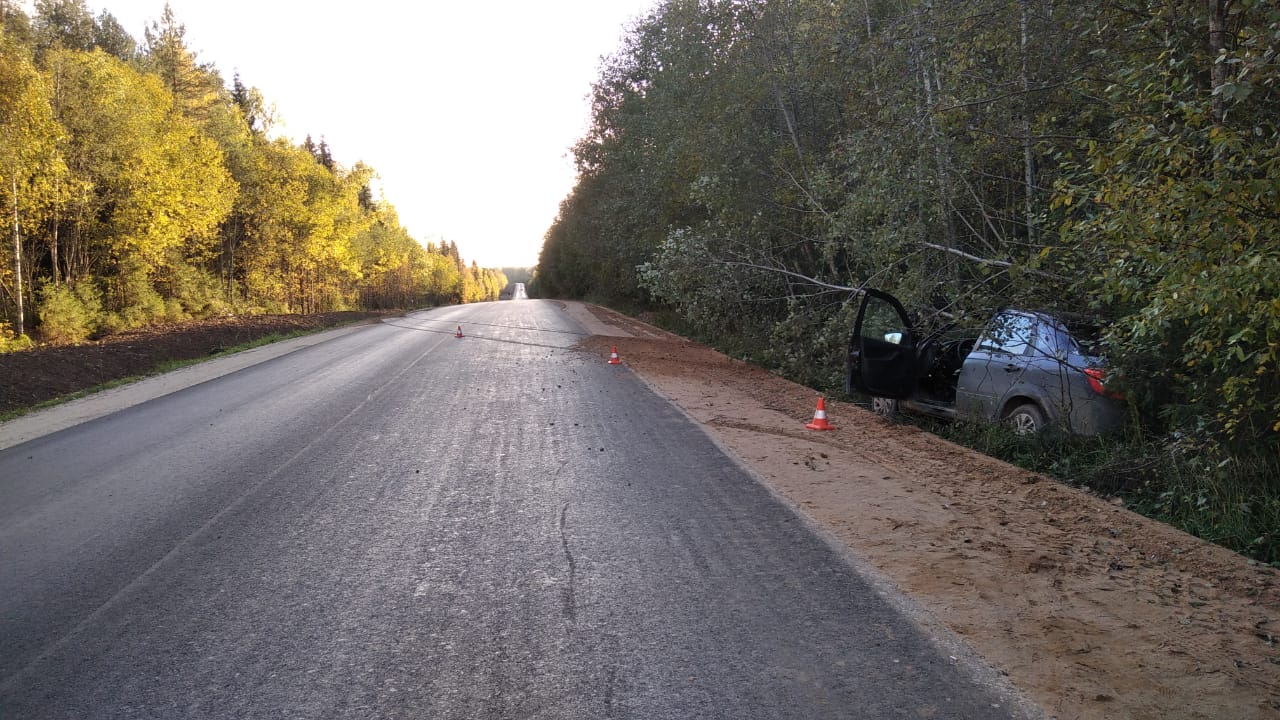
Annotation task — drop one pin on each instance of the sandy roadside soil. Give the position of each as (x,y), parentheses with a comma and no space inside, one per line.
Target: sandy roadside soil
(1091,610)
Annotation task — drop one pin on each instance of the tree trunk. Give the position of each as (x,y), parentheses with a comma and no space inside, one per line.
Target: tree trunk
(931,81)
(230,241)
(19,323)
(53,250)
(1027,159)
(1217,43)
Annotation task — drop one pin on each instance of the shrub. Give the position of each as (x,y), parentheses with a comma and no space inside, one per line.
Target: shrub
(1233,501)
(199,293)
(111,323)
(64,317)
(9,342)
(138,302)
(173,311)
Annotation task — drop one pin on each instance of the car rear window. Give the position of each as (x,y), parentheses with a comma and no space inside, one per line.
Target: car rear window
(1086,334)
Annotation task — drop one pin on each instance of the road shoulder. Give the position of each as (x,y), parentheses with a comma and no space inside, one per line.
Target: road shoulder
(1092,610)
(69,414)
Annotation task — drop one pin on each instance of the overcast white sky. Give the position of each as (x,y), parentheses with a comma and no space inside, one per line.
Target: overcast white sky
(466,109)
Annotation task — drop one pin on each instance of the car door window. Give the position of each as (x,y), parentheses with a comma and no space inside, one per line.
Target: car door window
(881,322)
(1053,341)
(1009,334)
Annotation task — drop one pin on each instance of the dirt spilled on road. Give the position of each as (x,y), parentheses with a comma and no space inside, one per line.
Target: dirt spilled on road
(1095,612)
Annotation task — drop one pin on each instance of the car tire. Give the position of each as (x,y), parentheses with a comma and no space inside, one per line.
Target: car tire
(1026,419)
(884,407)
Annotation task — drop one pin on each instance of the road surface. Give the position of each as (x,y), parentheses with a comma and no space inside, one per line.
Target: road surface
(402,523)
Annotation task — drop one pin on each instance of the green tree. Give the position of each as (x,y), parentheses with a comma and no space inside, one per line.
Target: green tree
(28,162)
(760,160)
(15,23)
(64,24)
(391,262)
(113,39)
(195,86)
(1176,218)
(146,189)
(302,221)
(442,277)
(230,125)
(276,218)
(139,189)
(251,105)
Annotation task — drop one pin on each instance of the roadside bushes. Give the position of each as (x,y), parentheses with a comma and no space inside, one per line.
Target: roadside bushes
(9,342)
(191,292)
(69,313)
(77,311)
(809,346)
(1233,502)
(136,301)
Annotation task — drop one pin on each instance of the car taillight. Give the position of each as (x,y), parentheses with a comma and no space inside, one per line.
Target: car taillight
(1096,377)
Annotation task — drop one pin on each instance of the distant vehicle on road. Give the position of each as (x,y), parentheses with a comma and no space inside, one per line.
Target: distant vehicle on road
(1024,368)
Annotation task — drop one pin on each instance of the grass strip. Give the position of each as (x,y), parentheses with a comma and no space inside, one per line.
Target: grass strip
(162,368)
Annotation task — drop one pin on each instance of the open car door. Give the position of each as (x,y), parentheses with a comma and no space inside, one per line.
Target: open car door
(882,359)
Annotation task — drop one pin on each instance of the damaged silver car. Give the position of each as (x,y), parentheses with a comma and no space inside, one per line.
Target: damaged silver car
(1023,368)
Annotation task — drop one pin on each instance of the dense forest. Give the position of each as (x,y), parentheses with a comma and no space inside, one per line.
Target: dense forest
(751,164)
(138,186)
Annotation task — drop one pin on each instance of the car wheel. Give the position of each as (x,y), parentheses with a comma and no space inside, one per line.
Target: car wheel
(884,407)
(1026,419)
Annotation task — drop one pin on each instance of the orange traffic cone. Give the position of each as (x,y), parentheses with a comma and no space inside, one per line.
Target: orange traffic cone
(459,333)
(613,356)
(820,418)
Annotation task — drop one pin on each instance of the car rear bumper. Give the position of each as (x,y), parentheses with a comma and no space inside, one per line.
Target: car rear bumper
(1095,416)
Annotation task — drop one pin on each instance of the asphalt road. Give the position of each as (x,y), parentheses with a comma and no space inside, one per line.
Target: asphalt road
(399,523)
